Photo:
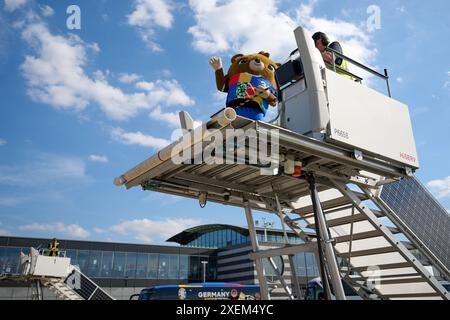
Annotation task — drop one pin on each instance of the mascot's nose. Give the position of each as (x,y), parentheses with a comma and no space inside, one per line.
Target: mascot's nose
(256,65)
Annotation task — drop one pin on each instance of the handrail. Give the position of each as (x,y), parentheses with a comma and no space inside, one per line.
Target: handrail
(366,68)
(384,76)
(335,67)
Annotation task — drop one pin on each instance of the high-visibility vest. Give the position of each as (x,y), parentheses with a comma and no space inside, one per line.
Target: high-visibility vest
(343,66)
(53,248)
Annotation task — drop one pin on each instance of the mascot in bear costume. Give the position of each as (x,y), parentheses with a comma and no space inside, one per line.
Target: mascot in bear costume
(250,83)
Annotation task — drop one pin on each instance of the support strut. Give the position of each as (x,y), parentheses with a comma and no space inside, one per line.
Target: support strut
(329,263)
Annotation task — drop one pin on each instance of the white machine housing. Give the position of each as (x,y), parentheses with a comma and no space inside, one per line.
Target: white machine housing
(344,112)
(36,264)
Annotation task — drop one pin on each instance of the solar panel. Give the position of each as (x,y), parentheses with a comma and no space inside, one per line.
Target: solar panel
(422,213)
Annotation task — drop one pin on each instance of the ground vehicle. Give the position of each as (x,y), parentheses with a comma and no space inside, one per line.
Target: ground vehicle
(446,285)
(200,291)
(314,291)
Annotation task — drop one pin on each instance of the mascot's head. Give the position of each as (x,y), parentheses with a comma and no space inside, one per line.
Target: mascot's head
(257,64)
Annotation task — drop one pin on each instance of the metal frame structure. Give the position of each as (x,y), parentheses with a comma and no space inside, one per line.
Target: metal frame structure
(326,169)
(310,178)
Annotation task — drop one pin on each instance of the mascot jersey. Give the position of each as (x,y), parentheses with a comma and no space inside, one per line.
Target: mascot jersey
(242,95)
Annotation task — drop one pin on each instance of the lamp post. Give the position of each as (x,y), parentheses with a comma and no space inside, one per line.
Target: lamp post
(204,270)
(265,225)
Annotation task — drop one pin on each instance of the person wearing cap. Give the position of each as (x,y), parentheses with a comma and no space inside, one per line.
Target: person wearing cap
(322,43)
(53,248)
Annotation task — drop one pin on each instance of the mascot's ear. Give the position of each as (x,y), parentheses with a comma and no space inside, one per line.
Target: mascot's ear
(236,57)
(278,65)
(264,53)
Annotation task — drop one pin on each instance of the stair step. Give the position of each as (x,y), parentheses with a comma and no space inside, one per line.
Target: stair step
(384,266)
(412,295)
(342,221)
(359,236)
(368,252)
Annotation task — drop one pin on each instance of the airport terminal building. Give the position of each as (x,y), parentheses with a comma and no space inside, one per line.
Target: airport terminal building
(213,253)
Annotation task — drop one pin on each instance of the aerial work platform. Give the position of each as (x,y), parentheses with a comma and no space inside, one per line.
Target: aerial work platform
(331,133)
(57,274)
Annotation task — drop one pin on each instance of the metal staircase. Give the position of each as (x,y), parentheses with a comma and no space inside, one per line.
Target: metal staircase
(374,251)
(60,289)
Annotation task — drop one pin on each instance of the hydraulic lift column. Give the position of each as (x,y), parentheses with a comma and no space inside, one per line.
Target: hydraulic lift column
(258,262)
(324,243)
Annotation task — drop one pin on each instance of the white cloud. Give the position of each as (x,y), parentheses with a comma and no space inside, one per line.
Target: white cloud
(440,187)
(143,85)
(447,83)
(5,232)
(149,231)
(11,5)
(97,158)
(138,138)
(56,77)
(166,73)
(172,118)
(399,79)
(71,230)
(47,11)
(129,78)
(149,14)
(99,230)
(234,26)
(45,168)
(166,92)
(3,142)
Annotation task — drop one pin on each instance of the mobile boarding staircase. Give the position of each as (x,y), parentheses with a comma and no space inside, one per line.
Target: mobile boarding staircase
(332,148)
(57,274)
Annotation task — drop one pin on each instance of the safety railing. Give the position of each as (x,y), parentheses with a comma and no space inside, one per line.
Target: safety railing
(47,252)
(333,65)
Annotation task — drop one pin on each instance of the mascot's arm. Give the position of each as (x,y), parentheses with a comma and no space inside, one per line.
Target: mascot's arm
(267,94)
(220,80)
(272,100)
(216,63)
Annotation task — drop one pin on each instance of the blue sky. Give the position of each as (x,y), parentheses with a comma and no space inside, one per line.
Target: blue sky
(80,107)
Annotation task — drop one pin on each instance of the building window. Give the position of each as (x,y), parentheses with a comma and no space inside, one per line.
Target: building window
(168,266)
(300,264)
(118,265)
(153,263)
(216,238)
(72,254)
(130,266)
(94,265)
(311,266)
(184,267)
(106,265)
(9,260)
(83,260)
(173,266)
(194,268)
(141,265)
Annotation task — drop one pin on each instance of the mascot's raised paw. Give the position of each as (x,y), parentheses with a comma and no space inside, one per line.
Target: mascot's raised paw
(250,83)
(216,63)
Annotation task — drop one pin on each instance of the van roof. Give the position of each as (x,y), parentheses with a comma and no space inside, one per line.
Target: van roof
(205,285)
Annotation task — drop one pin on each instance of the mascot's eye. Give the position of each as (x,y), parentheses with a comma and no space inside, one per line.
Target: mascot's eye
(242,61)
(271,68)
